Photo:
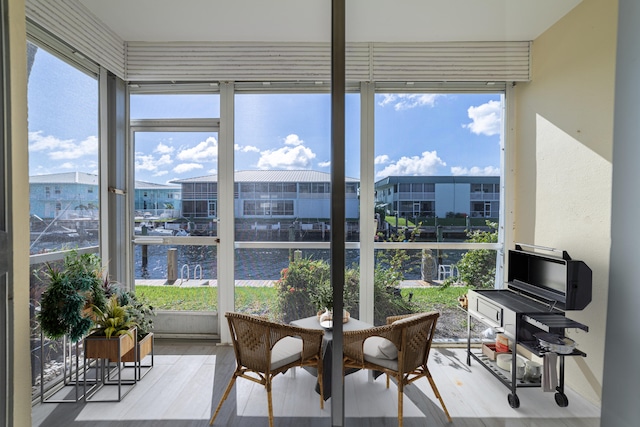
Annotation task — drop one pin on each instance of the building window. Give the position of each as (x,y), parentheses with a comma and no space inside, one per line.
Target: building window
(268,208)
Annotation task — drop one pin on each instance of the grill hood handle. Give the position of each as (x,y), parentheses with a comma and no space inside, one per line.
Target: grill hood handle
(565,255)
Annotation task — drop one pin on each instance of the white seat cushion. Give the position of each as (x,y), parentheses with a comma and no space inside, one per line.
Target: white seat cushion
(287,350)
(380,348)
(390,364)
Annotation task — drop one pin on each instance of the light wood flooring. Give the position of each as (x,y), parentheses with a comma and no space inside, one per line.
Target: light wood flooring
(189,378)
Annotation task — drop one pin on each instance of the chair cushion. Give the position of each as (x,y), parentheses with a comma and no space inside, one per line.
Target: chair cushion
(379,348)
(386,363)
(287,350)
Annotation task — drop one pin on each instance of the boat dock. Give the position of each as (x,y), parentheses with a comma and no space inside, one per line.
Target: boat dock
(253,283)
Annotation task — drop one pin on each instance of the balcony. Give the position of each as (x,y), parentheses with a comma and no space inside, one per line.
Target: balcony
(189,378)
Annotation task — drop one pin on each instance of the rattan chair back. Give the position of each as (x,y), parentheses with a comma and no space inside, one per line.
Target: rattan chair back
(412,335)
(253,339)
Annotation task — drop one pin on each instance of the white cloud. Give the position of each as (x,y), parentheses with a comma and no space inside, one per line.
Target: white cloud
(293,139)
(68,165)
(381,160)
(294,155)
(148,162)
(426,164)
(160,173)
(205,151)
(187,167)
(63,149)
(475,171)
(246,148)
(325,164)
(405,101)
(164,149)
(485,119)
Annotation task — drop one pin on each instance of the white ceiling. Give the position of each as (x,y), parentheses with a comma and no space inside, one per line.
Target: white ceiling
(310,20)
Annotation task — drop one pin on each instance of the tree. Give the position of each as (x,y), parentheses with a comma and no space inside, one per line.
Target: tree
(477,268)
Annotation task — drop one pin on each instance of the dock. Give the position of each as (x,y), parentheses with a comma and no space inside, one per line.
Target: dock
(255,283)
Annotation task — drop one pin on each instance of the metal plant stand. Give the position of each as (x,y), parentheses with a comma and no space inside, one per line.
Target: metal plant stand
(107,353)
(71,377)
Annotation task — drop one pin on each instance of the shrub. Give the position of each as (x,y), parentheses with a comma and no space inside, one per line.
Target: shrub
(297,282)
(304,288)
(477,268)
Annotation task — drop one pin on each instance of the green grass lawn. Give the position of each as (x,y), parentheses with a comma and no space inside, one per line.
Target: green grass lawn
(262,300)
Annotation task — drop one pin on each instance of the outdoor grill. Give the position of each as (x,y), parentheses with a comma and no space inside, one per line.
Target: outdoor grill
(531,312)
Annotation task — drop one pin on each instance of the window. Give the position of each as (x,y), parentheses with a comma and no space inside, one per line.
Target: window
(63,163)
(63,153)
(437,160)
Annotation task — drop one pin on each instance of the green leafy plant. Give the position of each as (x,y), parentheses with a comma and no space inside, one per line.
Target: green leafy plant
(139,311)
(305,288)
(70,289)
(113,320)
(296,285)
(322,296)
(477,268)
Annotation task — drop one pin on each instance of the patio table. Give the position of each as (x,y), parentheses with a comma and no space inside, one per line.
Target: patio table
(327,348)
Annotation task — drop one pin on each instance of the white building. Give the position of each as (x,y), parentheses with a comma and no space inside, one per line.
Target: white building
(269,194)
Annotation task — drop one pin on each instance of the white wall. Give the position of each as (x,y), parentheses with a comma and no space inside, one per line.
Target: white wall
(19,185)
(455,197)
(564,162)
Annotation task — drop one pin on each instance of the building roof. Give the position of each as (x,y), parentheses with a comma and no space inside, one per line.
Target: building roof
(144,185)
(270,176)
(65,178)
(91,179)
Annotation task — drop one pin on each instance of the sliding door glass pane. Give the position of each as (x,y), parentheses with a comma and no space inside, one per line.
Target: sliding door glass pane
(176,194)
(437,179)
(175,197)
(63,181)
(283,194)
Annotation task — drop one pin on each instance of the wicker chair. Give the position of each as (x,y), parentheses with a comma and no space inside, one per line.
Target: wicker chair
(264,349)
(399,349)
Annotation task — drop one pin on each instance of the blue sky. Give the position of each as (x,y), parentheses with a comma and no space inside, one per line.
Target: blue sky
(416,134)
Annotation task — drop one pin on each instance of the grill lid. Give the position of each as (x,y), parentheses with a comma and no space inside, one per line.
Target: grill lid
(561,282)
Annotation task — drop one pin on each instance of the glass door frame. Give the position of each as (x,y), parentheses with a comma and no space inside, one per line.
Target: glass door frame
(164,125)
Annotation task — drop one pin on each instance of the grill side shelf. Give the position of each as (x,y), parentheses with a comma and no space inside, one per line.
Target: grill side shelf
(547,321)
(539,351)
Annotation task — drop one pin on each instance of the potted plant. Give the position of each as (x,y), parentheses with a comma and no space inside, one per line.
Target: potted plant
(113,334)
(322,298)
(71,291)
(140,312)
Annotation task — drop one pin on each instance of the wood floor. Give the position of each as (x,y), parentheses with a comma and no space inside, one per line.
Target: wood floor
(189,378)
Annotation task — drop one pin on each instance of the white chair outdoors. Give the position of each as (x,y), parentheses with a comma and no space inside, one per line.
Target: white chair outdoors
(444,271)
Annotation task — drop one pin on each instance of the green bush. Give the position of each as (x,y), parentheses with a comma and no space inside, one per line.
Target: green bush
(304,288)
(388,300)
(477,268)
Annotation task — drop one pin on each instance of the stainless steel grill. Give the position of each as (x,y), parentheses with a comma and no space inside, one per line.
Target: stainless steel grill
(539,290)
